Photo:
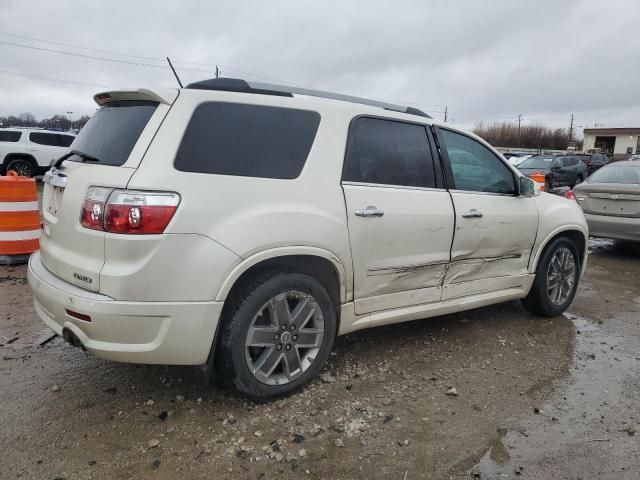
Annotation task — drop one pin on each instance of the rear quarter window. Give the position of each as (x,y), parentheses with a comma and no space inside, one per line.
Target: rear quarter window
(10,136)
(247,140)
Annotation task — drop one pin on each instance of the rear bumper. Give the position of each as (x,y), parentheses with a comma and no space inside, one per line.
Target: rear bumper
(621,228)
(171,333)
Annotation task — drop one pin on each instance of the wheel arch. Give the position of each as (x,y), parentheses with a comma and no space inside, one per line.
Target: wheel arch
(575,233)
(12,156)
(320,263)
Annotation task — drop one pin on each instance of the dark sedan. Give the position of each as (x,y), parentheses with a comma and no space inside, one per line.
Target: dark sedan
(564,171)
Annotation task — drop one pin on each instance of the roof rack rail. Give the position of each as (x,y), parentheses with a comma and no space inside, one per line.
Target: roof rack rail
(244,86)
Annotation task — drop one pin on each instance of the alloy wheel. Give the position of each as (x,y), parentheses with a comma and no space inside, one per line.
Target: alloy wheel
(21,167)
(561,276)
(284,338)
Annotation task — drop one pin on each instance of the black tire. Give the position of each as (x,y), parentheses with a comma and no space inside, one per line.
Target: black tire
(579,180)
(539,301)
(22,166)
(547,184)
(248,300)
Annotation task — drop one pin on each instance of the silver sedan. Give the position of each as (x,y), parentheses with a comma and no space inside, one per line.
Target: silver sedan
(610,199)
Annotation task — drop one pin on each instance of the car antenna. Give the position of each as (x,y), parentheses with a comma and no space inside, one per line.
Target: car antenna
(174,72)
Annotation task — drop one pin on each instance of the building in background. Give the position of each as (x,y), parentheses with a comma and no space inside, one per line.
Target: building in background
(618,143)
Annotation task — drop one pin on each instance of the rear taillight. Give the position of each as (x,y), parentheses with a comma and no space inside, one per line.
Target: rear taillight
(128,211)
(570,195)
(92,214)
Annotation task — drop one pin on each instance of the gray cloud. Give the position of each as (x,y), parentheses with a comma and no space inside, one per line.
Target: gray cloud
(485,60)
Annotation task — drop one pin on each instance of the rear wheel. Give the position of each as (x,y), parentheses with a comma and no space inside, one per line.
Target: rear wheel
(579,180)
(556,279)
(277,333)
(22,166)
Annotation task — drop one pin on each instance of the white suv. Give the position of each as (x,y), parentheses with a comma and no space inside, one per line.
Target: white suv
(243,226)
(28,151)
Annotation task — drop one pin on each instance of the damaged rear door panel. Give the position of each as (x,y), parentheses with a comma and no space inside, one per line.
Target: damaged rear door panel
(400,216)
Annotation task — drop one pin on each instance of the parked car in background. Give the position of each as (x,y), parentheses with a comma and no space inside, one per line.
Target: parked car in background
(29,151)
(517,160)
(559,171)
(180,229)
(593,161)
(610,199)
(634,158)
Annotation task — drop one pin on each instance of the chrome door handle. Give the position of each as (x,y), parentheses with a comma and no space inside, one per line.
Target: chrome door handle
(370,211)
(473,213)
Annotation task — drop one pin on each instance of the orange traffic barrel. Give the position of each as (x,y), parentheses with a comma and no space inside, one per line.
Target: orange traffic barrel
(19,219)
(539,179)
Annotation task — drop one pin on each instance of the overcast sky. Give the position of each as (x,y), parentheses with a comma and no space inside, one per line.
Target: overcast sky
(485,60)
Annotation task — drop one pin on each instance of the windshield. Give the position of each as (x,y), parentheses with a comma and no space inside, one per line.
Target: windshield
(537,162)
(625,174)
(113,131)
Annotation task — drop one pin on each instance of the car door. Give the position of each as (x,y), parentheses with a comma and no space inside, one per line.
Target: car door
(44,146)
(495,227)
(400,217)
(559,173)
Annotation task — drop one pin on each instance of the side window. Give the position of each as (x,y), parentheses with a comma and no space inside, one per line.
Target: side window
(475,168)
(9,136)
(65,140)
(389,153)
(247,140)
(49,139)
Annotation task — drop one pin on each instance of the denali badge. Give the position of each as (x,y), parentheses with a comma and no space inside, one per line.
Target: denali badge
(82,278)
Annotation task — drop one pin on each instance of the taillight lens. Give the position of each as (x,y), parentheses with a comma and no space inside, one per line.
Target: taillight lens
(570,195)
(92,214)
(128,211)
(139,212)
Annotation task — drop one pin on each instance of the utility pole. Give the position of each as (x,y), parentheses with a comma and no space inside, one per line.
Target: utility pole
(446,113)
(70,122)
(519,125)
(571,129)
(217,72)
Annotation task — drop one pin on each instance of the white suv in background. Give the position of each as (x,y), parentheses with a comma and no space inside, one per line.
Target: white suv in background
(28,151)
(242,226)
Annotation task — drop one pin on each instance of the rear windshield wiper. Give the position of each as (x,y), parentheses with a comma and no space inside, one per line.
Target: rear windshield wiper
(84,156)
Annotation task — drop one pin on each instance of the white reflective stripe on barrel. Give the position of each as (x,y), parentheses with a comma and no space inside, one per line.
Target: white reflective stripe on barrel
(20,235)
(18,206)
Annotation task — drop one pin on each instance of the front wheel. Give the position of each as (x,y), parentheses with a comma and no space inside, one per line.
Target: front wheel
(579,180)
(547,184)
(277,333)
(556,279)
(22,167)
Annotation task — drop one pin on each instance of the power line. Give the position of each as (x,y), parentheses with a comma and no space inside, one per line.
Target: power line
(157,59)
(24,37)
(94,57)
(52,79)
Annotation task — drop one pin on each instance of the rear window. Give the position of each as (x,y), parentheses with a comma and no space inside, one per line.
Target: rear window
(112,132)
(624,174)
(247,140)
(51,139)
(10,136)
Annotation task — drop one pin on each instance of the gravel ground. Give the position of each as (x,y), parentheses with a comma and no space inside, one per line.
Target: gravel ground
(491,393)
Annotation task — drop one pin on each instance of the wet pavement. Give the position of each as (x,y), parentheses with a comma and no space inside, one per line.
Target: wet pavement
(536,398)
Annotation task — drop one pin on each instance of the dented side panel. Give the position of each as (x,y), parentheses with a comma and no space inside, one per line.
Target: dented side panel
(496,244)
(399,258)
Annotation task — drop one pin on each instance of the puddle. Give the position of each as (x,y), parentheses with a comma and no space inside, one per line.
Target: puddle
(587,429)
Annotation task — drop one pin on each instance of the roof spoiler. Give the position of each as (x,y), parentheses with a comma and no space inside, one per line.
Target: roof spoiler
(140,94)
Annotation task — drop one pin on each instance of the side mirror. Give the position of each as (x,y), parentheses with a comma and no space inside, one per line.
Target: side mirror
(556,166)
(526,187)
